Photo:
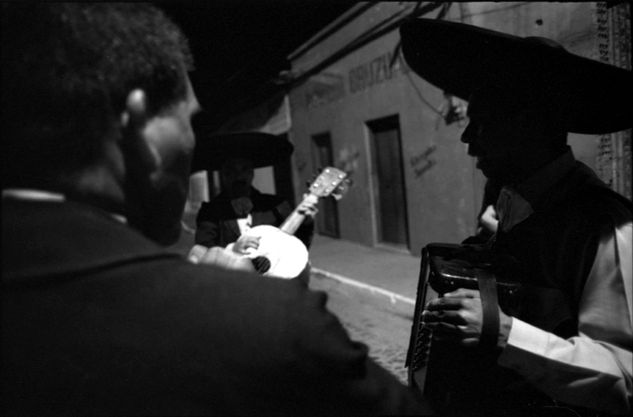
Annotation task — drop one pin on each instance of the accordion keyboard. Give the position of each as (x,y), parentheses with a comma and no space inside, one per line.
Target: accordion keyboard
(422,347)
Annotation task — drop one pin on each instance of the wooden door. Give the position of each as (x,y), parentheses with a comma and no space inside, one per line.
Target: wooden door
(391,203)
(327,217)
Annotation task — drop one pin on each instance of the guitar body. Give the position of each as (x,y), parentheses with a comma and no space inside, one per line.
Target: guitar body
(288,256)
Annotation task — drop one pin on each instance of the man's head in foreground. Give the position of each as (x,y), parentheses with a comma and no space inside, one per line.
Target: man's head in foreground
(97,105)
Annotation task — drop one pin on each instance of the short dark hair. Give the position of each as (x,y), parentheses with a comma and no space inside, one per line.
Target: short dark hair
(67,69)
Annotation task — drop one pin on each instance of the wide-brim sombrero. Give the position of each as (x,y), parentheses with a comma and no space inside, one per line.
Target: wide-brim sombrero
(589,96)
(262,149)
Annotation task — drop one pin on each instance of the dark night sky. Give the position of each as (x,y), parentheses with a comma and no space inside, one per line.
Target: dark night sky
(240,46)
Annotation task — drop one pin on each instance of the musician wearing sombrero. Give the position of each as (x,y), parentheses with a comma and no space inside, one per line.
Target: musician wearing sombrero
(569,345)
(227,217)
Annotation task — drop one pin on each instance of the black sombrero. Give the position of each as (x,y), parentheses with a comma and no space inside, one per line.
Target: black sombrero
(262,149)
(589,96)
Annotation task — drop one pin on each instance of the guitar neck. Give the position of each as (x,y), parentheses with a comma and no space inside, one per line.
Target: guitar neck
(331,182)
(292,222)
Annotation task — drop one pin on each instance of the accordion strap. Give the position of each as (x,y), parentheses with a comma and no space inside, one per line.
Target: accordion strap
(490,306)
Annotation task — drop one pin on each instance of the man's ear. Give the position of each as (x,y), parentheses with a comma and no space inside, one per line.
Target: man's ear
(135,144)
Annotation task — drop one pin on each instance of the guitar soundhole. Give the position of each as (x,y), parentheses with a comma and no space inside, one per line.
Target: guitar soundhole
(261,264)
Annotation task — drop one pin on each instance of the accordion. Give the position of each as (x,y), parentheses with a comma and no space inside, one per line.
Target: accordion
(447,375)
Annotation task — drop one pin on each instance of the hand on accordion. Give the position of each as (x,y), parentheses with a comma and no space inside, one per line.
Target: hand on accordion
(458,316)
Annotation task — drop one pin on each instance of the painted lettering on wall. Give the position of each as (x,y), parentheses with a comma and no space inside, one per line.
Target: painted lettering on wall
(376,71)
(422,162)
(300,161)
(324,88)
(348,159)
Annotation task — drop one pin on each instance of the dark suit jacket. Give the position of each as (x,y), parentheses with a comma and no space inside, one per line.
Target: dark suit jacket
(96,319)
(216,222)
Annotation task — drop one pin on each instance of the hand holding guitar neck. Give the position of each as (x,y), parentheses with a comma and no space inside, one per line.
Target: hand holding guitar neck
(308,206)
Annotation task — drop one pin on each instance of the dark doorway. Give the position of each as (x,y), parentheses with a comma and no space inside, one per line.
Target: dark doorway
(283,178)
(327,217)
(391,205)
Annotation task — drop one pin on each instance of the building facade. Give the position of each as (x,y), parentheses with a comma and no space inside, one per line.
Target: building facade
(356,105)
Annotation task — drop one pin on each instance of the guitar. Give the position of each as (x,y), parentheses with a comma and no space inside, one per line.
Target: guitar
(280,254)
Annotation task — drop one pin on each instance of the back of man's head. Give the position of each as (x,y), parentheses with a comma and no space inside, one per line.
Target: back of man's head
(67,69)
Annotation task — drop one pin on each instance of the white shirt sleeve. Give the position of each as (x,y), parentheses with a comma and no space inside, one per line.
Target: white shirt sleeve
(595,368)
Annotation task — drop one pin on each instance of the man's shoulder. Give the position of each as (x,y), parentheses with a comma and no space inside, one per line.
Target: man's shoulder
(216,209)
(238,298)
(596,198)
(584,191)
(42,240)
(606,205)
(592,211)
(264,201)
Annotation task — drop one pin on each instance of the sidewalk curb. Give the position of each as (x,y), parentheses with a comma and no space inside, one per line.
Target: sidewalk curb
(393,297)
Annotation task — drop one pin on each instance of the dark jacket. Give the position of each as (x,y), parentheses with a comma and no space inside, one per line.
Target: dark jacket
(556,247)
(554,250)
(216,222)
(96,319)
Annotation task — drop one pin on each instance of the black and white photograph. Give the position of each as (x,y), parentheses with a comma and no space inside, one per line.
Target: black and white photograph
(316,208)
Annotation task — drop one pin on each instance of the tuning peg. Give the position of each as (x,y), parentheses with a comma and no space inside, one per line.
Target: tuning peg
(340,190)
(313,178)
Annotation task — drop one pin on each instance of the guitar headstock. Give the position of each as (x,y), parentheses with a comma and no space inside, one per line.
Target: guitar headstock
(331,181)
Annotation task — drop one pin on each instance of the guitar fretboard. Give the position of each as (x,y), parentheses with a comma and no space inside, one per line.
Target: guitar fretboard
(292,223)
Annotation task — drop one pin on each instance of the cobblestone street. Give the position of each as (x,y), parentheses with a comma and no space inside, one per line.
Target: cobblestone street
(372,319)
